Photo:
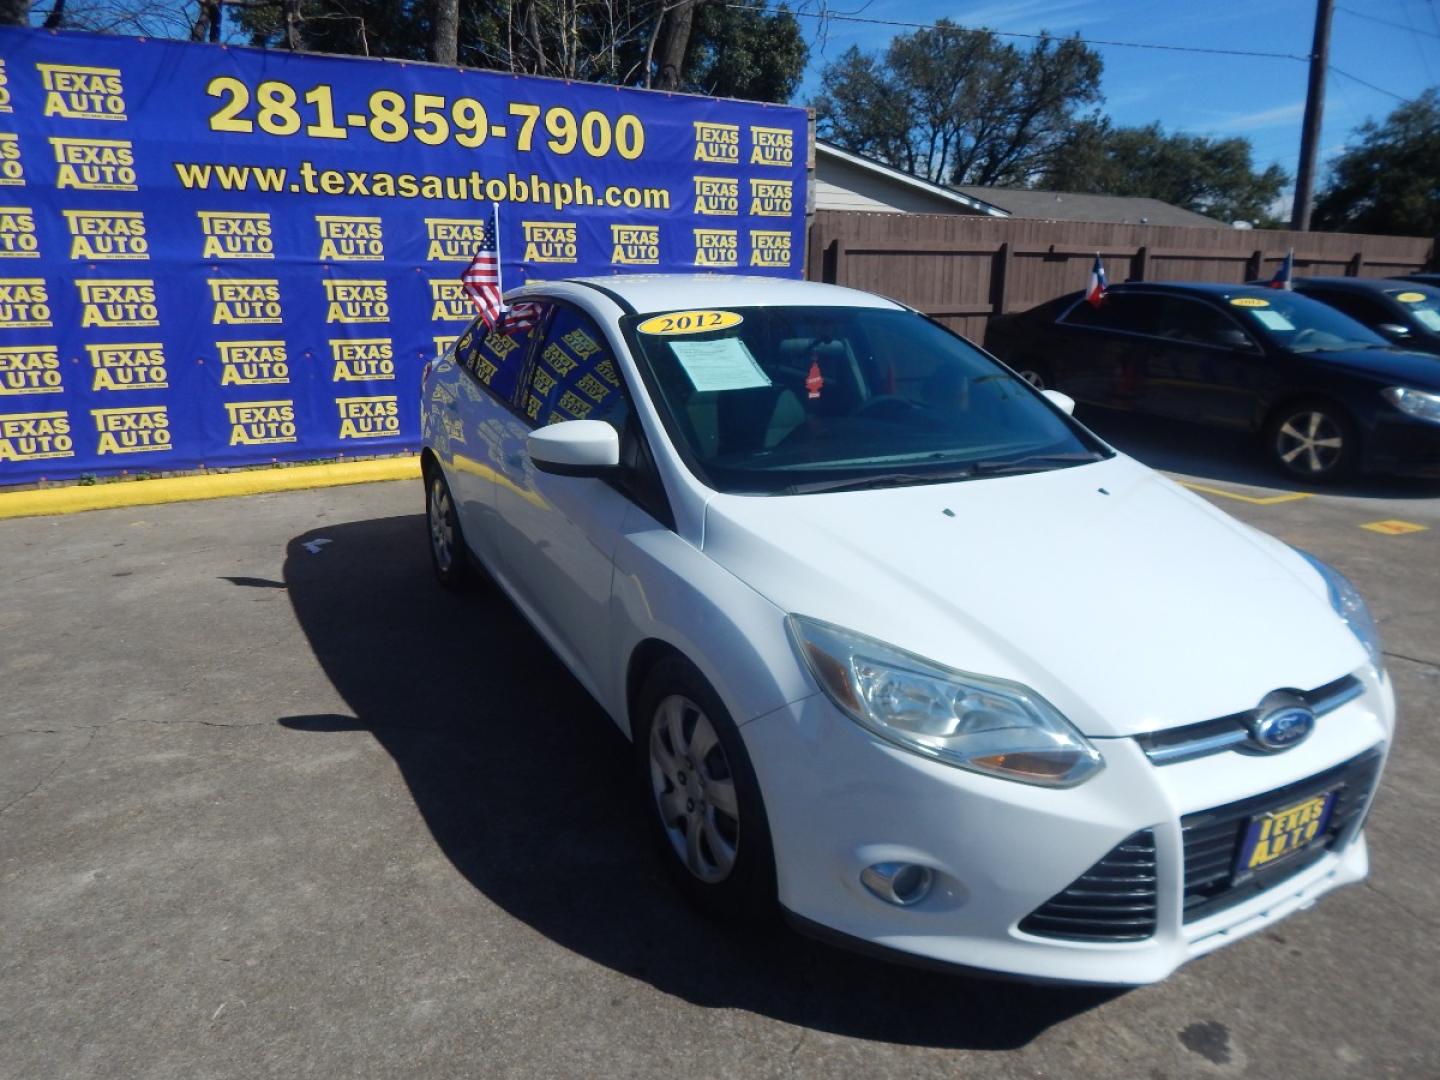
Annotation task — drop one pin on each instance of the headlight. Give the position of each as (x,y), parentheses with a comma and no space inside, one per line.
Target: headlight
(1350,606)
(970,721)
(1417,403)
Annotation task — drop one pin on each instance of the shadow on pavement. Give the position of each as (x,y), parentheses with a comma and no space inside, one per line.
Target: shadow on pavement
(525,785)
(1207,453)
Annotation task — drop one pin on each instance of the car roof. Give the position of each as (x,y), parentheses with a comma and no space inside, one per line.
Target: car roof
(1211,289)
(1354,284)
(669,292)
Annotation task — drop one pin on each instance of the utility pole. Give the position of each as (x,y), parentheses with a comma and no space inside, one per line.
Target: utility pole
(1314,113)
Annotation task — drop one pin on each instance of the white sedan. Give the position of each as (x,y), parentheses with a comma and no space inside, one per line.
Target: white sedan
(903,648)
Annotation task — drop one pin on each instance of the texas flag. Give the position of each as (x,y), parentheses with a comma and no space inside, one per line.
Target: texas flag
(1281,280)
(1095,294)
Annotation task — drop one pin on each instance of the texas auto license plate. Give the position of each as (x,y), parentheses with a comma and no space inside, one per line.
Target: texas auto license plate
(1278,834)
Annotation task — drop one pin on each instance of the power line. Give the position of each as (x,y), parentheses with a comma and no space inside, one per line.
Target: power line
(1372,86)
(1385,22)
(1032,37)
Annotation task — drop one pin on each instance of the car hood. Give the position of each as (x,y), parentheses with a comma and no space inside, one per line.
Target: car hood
(1127,602)
(1390,366)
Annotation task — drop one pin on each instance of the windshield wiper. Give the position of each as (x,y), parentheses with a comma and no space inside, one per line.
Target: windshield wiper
(875,480)
(1033,463)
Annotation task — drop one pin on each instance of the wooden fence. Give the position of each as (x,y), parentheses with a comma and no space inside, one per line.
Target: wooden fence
(963,270)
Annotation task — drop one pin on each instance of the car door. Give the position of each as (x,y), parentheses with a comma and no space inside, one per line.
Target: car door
(1199,364)
(1095,363)
(490,363)
(558,534)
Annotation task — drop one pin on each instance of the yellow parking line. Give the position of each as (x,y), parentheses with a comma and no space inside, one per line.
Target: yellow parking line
(71,500)
(1256,500)
(1394,527)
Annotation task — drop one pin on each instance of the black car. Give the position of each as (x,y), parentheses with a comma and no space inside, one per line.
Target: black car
(1421,279)
(1328,395)
(1404,313)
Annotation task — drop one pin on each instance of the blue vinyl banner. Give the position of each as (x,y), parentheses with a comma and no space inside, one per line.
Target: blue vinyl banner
(213,256)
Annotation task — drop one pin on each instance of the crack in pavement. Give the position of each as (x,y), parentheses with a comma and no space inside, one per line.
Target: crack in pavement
(51,774)
(92,728)
(1413,660)
(1421,919)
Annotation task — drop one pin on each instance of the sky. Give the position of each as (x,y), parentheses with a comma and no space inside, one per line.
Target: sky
(1261,99)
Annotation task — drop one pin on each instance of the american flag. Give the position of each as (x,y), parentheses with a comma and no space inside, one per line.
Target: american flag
(520,318)
(481,279)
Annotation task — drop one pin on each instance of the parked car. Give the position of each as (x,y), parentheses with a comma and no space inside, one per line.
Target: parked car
(1327,395)
(1406,314)
(1422,279)
(901,646)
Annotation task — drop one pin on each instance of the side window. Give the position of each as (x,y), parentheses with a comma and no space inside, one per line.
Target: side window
(1133,313)
(1360,308)
(495,357)
(1200,324)
(573,376)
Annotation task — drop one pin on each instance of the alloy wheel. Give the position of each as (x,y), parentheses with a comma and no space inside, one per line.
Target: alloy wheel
(442,531)
(1310,442)
(694,789)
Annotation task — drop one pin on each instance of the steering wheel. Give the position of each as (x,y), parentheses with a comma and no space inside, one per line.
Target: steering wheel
(1301,335)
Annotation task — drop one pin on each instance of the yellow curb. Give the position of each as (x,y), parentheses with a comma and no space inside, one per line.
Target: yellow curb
(1394,527)
(1255,500)
(73,500)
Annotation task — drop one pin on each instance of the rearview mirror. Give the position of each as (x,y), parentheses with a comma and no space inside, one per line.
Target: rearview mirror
(1064,402)
(574,448)
(1393,329)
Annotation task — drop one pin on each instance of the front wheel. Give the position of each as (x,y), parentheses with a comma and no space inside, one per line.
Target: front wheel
(1313,440)
(447,543)
(702,796)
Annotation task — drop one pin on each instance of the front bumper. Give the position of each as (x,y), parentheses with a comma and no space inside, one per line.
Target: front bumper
(1402,444)
(839,800)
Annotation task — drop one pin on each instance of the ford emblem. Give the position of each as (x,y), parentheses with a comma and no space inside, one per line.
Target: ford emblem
(1281,728)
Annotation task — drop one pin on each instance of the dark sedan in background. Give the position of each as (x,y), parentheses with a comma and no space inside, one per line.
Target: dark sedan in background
(1405,313)
(1328,395)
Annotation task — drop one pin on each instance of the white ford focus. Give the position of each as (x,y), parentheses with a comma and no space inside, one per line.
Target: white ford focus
(902,646)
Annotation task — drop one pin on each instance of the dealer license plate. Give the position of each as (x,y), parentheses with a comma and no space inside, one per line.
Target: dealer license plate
(1278,834)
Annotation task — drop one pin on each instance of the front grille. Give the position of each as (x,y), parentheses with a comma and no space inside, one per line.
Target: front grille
(1213,837)
(1227,732)
(1112,901)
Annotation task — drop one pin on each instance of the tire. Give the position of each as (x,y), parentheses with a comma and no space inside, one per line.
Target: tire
(1312,440)
(701,797)
(1037,373)
(448,554)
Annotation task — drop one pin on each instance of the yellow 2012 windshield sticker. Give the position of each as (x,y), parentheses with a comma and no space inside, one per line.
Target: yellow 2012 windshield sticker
(1411,297)
(690,322)
(1249,301)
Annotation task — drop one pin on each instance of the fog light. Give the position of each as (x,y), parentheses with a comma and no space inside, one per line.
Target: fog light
(898,883)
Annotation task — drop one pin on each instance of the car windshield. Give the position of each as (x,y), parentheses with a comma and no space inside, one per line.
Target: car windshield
(794,400)
(1424,307)
(1301,324)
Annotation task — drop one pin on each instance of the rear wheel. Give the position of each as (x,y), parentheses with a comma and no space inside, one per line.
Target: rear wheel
(1037,373)
(703,799)
(1313,440)
(447,543)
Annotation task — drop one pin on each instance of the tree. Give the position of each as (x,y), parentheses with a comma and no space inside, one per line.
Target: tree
(959,106)
(1390,181)
(1215,177)
(752,52)
(14,12)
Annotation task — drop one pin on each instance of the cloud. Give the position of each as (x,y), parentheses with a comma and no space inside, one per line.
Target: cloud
(1231,123)
(1024,16)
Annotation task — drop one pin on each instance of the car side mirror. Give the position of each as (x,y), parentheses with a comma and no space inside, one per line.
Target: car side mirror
(1393,329)
(575,448)
(1064,402)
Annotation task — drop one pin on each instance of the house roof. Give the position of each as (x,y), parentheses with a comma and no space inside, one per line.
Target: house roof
(974,204)
(1075,206)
